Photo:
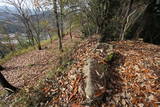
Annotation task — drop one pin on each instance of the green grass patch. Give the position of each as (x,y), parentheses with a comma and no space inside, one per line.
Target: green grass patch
(110,57)
(16,53)
(45,42)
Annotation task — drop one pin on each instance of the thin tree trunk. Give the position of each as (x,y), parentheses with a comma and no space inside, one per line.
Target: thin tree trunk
(58,25)
(20,43)
(50,37)
(29,40)
(10,43)
(70,30)
(61,18)
(125,19)
(39,42)
(39,46)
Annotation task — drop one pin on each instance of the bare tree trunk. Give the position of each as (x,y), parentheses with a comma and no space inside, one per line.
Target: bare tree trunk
(61,18)
(70,30)
(58,25)
(29,39)
(125,19)
(5,84)
(19,41)
(39,41)
(11,46)
(39,46)
(50,37)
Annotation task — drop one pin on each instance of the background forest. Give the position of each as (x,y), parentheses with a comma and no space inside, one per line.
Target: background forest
(28,23)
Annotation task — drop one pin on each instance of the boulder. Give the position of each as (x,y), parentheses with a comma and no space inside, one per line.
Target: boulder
(95,77)
(104,47)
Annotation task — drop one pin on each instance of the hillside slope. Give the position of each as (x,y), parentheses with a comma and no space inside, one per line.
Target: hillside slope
(25,70)
(133,79)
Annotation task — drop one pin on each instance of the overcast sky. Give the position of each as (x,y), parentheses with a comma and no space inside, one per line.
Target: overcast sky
(1,3)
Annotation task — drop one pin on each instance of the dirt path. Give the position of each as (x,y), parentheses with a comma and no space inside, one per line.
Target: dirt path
(28,68)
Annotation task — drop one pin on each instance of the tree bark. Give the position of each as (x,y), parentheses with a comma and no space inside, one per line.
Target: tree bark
(70,30)
(58,25)
(125,19)
(62,25)
(51,40)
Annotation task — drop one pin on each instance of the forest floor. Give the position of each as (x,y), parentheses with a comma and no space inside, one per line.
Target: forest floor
(135,79)
(26,70)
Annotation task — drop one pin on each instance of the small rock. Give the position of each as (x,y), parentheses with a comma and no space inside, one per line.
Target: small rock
(123,102)
(150,98)
(95,74)
(104,46)
(136,68)
(140,105)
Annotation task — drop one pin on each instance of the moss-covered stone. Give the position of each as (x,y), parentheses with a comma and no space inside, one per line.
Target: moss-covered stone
(111,57)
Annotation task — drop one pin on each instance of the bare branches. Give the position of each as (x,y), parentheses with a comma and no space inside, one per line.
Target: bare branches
(28,13)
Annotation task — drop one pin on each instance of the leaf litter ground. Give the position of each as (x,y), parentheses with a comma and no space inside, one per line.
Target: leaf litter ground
(134,81)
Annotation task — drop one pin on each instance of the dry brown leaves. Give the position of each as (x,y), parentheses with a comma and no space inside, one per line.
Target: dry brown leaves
(140,74)
(139,71)
(26,70)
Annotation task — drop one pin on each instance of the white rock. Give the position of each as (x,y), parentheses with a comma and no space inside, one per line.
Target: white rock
(136,68)
(95,77)
(140,105)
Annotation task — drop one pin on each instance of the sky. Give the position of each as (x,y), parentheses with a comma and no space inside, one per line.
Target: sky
(2,4)
(27,3)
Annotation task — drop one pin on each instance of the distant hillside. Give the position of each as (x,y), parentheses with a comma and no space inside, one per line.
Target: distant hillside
(12,27)
(4,15)
(16,26)
(47,15)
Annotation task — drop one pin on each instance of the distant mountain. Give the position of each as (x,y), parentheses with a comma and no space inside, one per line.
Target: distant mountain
(4,15)
(16,26)
(3,8)
(12,27)
(48,15)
